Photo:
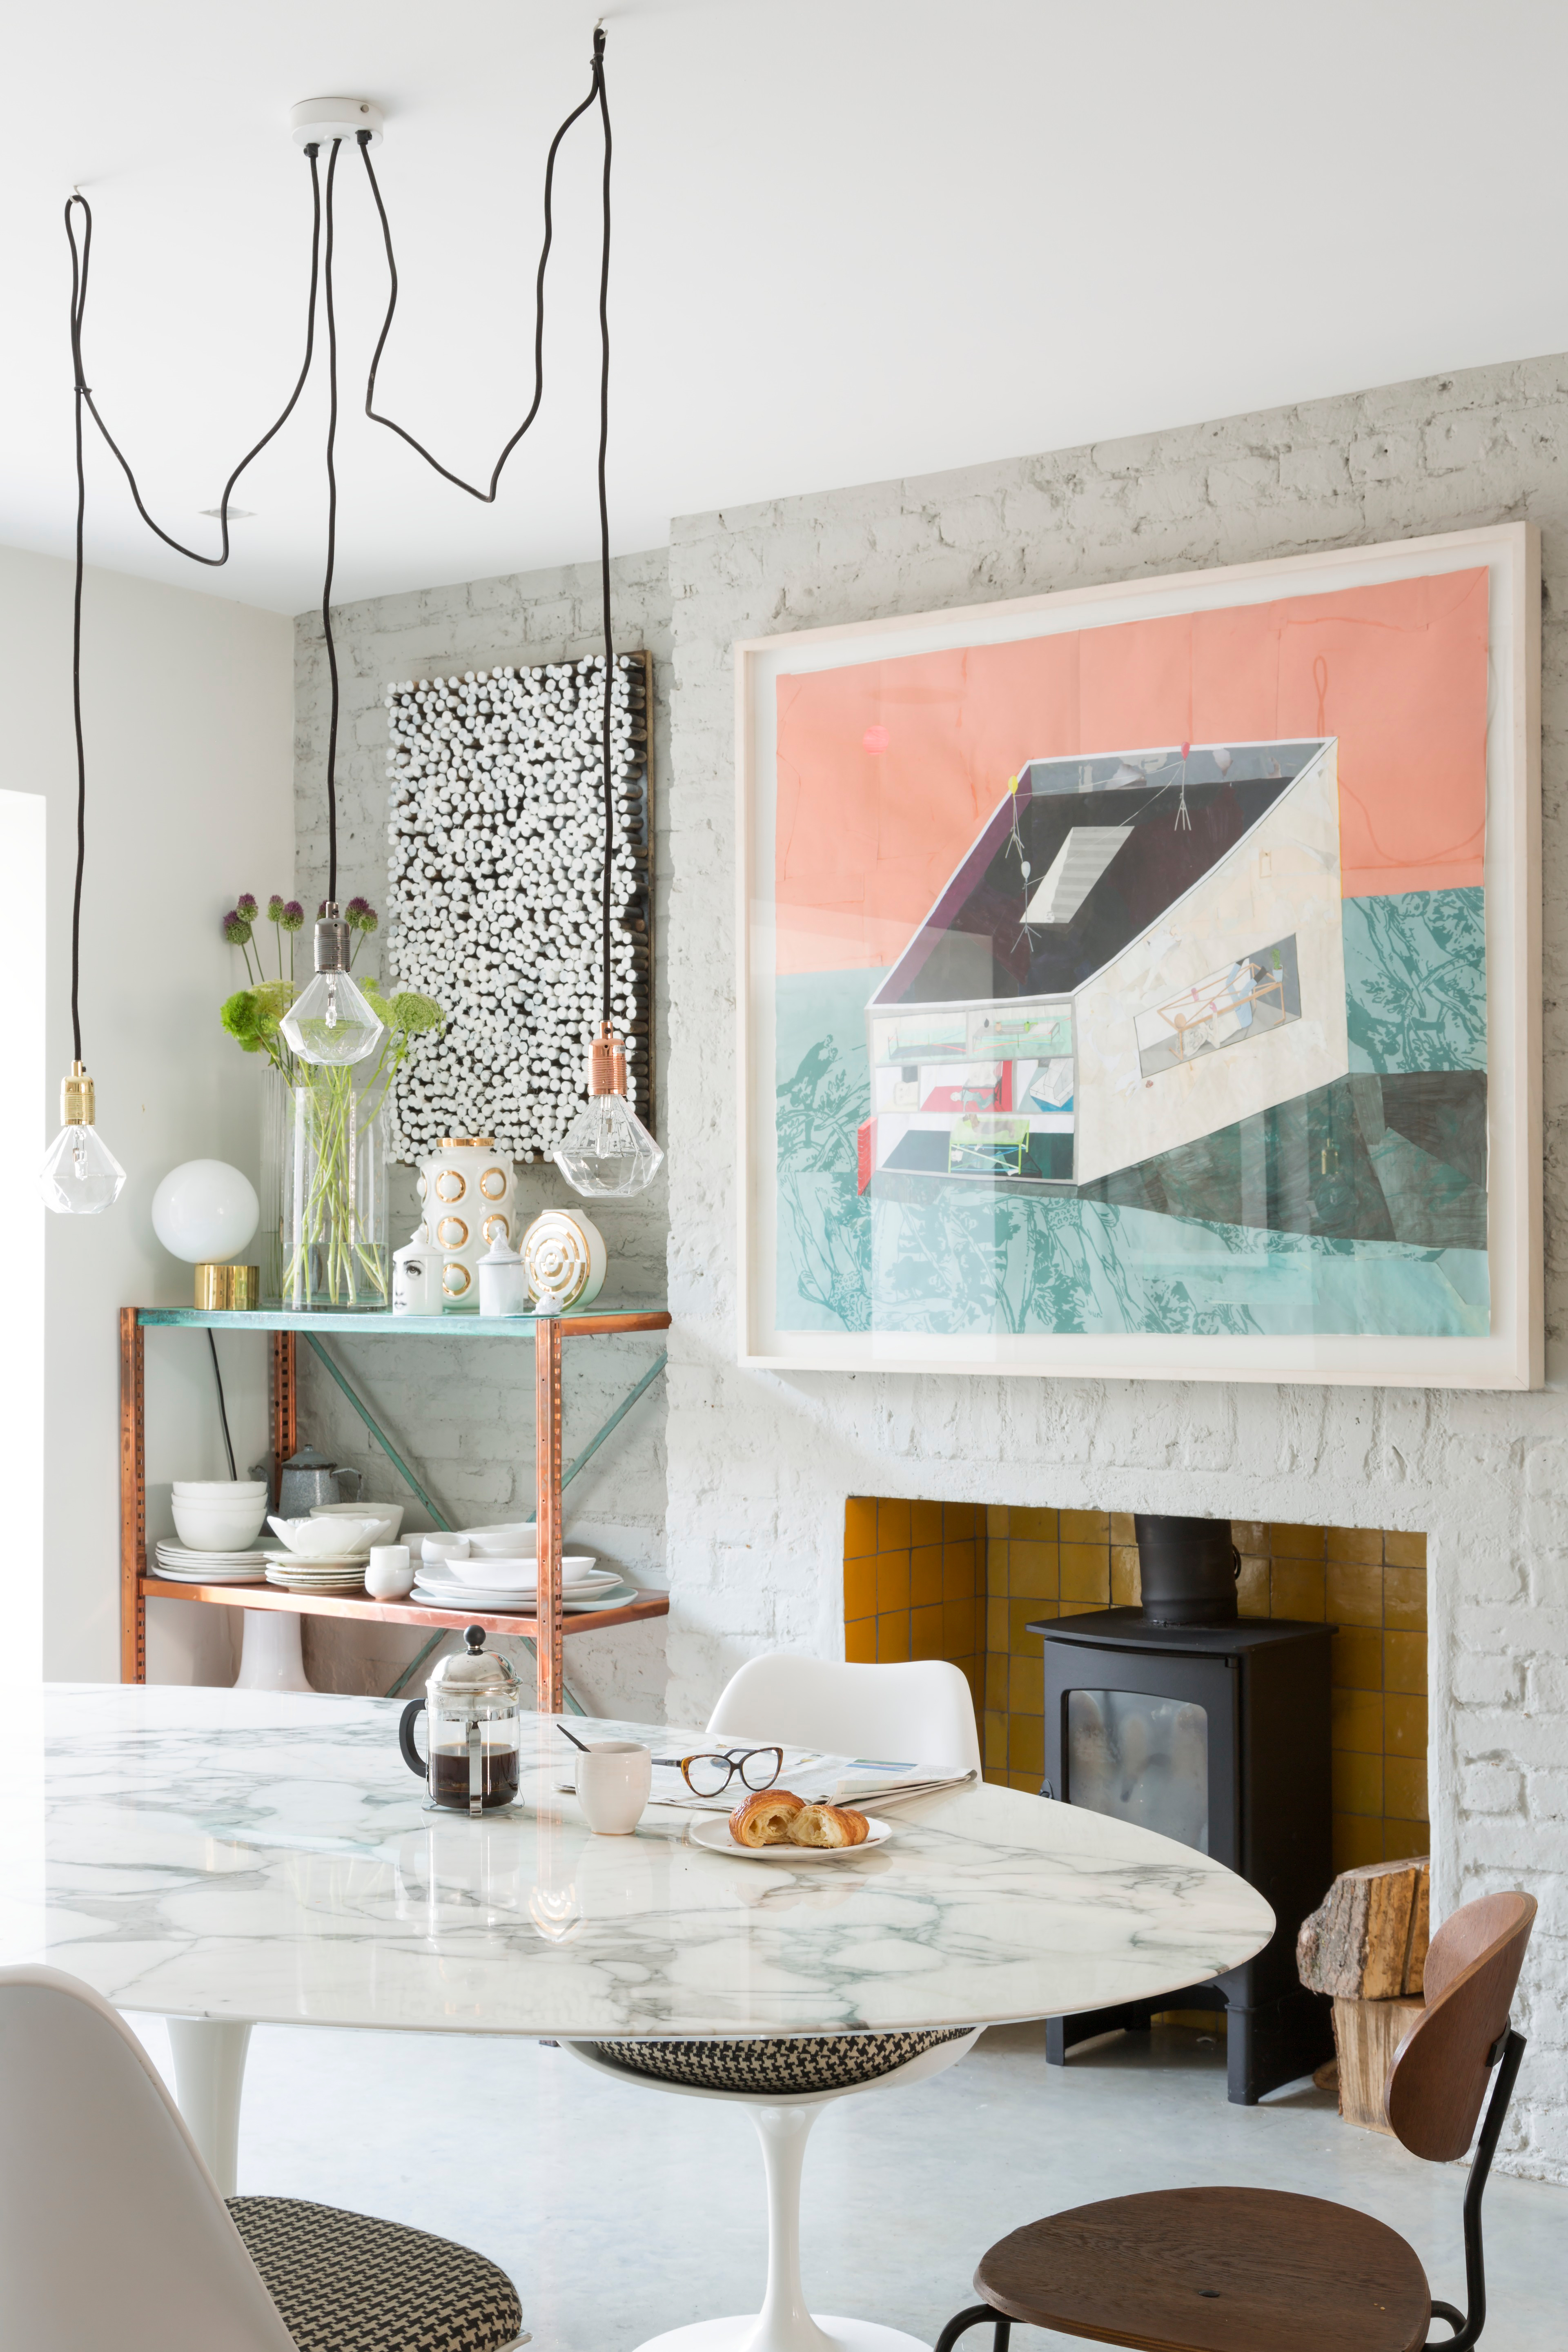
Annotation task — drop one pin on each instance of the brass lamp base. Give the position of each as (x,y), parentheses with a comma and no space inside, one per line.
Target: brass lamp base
(228,1290)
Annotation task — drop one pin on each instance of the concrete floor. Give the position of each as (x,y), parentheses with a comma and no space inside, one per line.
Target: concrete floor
(622,2212)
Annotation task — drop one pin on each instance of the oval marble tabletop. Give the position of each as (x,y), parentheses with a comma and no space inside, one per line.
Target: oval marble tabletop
(243,1855)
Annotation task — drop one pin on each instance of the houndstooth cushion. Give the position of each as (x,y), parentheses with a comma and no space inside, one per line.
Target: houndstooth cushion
(343,2283)
(802,2064)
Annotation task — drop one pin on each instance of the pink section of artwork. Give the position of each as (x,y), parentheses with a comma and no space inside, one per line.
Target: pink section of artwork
(887,770)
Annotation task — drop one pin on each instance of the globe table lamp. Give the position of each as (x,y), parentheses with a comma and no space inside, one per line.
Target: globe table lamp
(205,1211)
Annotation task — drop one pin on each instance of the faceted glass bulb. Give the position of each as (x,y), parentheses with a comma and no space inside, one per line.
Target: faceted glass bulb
(80,1175)
(608,1153)
(331,1021)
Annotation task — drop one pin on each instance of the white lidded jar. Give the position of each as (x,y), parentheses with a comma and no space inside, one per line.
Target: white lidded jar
(503,1284)
(466,1186)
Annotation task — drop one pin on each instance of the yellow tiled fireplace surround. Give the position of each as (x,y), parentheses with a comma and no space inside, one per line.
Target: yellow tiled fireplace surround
(961,1581)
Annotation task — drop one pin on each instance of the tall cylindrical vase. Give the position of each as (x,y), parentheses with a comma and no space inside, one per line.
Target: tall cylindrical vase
(272,1238)
(333,1182)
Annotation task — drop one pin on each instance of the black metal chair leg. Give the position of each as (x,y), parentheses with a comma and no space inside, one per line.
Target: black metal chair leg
(965,2320)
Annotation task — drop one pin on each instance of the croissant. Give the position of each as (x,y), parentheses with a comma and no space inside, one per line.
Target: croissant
(828,1825)
(764,1819)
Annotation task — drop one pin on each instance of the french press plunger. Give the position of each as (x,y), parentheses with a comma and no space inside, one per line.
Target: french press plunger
(472,1704)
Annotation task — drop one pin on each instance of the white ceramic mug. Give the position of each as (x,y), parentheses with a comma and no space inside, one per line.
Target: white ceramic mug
(612,1783)
(390,1574)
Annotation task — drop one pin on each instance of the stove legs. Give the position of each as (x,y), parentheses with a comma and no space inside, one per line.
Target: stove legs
(1267,2043)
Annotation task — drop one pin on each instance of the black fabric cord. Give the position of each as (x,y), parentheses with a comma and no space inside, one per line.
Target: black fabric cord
(222,1407)
(604,502)
(598,94)
(331,544)
(82,395)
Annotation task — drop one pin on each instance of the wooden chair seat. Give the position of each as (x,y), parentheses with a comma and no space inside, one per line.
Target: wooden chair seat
(1214,2270)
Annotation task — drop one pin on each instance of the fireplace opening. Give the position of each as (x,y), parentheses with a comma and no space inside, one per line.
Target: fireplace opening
(962,1580)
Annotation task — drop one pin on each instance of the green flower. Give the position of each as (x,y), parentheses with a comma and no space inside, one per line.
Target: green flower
(274,908)
(235,929)
(293,916)
(245,907)
(240,1017)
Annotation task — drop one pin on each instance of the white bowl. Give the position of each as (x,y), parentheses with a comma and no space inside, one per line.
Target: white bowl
(214,1527)
(502,1542)
(322,1539)
(219,1490)
(387,1517)
(437,1547)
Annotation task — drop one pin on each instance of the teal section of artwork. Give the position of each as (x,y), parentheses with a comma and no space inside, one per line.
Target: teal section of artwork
(944,1264)
(822,1074)
(1415,981)
(955,1258)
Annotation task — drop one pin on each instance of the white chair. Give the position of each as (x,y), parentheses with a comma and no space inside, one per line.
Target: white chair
(112,2232)
(920,1713)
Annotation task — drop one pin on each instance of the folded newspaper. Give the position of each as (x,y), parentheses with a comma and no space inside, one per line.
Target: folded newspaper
(820,1780)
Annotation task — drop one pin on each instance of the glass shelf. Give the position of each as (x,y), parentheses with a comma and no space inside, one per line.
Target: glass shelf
(460,1323)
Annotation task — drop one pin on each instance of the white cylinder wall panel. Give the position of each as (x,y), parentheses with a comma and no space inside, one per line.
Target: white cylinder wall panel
(495,875)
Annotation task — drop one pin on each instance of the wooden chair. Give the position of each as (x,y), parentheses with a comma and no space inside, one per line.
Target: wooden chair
(1233,2270)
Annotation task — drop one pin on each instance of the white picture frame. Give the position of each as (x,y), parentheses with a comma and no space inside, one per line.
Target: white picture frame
(1509,1353)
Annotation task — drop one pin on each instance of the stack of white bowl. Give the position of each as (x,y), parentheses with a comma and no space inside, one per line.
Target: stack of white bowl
(217,1520)
(322,1555)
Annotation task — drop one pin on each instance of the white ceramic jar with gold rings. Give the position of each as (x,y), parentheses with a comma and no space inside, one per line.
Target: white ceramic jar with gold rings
(565,1258)
(466,1189)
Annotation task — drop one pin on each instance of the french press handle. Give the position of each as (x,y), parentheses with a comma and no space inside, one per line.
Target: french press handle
(411,1756)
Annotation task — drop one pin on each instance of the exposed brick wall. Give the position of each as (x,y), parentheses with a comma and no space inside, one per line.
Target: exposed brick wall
(760,1464)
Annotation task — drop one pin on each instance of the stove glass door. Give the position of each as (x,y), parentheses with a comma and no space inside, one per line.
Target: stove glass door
(1142,1759)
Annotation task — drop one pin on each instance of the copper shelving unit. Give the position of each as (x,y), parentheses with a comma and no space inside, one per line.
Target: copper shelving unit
(546,1629)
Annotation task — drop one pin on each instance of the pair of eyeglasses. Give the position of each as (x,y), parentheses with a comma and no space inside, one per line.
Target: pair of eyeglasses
(709,1776)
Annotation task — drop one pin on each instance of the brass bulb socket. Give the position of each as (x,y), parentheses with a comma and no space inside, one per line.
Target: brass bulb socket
(76,1097)
(227,1289)
(604,1057)
(465,1143)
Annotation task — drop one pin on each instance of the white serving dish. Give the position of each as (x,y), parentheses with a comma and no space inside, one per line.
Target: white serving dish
(713,1836)
(387,1517)
(519,1574)
(524,1604)
(329,1538)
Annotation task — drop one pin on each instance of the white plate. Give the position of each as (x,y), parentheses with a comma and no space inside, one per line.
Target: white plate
(276,1555)
(443,1596)
(713,1836)
(451,1573)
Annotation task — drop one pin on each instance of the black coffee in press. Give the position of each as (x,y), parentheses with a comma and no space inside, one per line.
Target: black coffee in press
(498,1778)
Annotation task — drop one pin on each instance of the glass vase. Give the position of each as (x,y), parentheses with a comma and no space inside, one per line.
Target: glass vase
(271,1238)
(333,1187)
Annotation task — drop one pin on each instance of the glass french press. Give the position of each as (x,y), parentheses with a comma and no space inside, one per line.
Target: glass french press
(473,1731)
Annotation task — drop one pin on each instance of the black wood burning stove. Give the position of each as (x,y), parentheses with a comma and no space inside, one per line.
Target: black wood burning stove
(1216,1734)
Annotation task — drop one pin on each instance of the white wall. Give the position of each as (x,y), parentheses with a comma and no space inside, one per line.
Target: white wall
(187,708)
(759,1464)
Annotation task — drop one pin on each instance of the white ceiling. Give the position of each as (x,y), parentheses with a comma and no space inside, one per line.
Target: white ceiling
(854,238)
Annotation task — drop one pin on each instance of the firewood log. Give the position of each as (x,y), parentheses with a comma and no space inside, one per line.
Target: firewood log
(1367,1939)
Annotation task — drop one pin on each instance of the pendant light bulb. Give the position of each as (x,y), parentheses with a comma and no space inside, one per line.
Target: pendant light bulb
(80,1175)
(608,1153)
(333,1022)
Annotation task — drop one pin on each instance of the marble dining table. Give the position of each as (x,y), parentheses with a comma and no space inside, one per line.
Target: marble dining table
(225,1857)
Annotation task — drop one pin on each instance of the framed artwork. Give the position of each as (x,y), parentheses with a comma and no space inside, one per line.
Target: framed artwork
(1145,980)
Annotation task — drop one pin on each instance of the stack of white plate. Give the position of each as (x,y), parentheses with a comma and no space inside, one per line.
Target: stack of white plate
(444,1584)
(343,1574)
(181,1566)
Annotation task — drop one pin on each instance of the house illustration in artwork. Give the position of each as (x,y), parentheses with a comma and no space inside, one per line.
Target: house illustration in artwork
(1139,948)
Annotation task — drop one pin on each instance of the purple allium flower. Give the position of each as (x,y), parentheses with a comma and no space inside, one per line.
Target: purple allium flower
(293,916)
(274,908)
(361,916)
(235,929)
(247,907)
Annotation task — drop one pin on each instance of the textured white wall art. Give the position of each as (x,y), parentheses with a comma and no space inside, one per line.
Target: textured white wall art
(494,880)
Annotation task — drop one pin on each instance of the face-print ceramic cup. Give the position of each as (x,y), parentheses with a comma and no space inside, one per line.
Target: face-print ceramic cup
(613,1783)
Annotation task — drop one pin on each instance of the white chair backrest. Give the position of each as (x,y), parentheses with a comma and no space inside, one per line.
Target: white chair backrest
(919,1713)
(111,2230)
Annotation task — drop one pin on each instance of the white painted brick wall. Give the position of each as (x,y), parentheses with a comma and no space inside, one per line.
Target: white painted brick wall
(759,1464)
(756,1465)
(463,1413)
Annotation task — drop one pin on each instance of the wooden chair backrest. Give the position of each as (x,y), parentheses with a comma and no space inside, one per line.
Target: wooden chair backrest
(1438,2079)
